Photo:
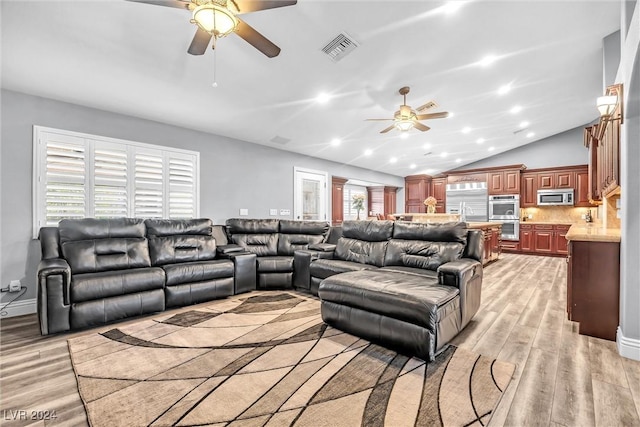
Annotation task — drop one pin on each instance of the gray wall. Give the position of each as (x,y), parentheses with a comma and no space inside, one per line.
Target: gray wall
(233,174)
(567,148)
(610,59)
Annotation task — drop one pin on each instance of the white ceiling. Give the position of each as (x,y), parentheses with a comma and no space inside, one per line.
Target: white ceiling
(131,58)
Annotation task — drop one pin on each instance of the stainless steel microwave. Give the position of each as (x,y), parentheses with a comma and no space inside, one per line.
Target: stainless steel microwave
(559,197)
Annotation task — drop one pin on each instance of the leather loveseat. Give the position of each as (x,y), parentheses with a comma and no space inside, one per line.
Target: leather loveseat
(275,242)
(411,286)
(95,271)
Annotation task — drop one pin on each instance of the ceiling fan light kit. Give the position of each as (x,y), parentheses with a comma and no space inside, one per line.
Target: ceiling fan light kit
(214,19)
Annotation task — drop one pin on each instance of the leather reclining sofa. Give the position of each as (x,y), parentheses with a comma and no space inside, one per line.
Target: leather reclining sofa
(410,286)
(95,271)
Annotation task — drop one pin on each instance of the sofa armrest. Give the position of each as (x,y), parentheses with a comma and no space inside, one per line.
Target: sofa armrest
(301,266)
(244,267)
(54,280)
(466,275)
(322,247)
(229,249)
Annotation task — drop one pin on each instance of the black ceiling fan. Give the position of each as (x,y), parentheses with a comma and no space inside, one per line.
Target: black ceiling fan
(218,18)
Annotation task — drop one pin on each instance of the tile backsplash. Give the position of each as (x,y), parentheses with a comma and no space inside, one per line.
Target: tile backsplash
(561,214)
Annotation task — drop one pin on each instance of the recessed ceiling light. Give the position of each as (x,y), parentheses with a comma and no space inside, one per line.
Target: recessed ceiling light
(404,135)
(412,166)
(323,98)
(450,115)
(480,140)
(487,60)
(524,124)
(368,152)
(335,142)
(458,160)
(393,160)
(492,148)
(516,109)
(504,89)
(444,154)
(451,7)
(466,129)
(530,135)
(426,146)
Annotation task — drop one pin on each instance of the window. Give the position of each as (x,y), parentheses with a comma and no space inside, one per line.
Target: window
(85,176)
(348,193)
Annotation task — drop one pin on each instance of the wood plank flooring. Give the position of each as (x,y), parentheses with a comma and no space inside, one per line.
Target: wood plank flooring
(561,379)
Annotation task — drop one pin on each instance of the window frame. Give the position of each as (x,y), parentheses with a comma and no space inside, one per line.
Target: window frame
(40,167)
(348,191)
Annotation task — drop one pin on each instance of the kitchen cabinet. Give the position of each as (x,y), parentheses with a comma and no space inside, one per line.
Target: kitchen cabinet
(381,200)
(551,180)
(504,182)
(439,191)
(529,190)
(492,240)
(466,177)
(509,246)
(575,177)
(593,287)
(543,239)
(416,189)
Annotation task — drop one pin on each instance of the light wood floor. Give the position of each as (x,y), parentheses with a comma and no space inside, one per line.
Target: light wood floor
(562,378)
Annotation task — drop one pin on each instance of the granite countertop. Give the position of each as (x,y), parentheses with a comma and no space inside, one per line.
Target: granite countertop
(546,222)
(478,225)
(593,233)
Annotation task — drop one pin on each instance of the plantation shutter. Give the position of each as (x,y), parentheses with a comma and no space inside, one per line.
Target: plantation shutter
(65,178)
(148,184)
(110,180)
(182,186)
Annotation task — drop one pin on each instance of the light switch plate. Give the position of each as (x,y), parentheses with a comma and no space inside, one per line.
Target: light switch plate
(244,212)
(273,212)
(285,211)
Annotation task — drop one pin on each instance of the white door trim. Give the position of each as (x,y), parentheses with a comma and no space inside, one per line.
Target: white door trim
(296,205)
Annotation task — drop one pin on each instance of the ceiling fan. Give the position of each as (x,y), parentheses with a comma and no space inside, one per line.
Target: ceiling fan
(218,18)
(406,117)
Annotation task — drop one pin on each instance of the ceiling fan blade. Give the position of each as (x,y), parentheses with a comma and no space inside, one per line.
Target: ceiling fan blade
(199,43)
(246,6)
(442,115)
(257,40)
(377,120)
(421,127)
(427,106)
(388,129)
(170,3)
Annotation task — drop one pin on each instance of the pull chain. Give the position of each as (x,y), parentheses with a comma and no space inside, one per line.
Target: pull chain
(215,62)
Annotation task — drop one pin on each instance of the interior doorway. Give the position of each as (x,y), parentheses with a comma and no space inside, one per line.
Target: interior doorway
(310,195)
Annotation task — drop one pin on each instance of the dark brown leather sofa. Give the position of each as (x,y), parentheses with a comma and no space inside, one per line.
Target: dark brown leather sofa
(95,271)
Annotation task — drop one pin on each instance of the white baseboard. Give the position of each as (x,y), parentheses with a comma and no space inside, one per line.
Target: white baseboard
(628,347)
(19,308)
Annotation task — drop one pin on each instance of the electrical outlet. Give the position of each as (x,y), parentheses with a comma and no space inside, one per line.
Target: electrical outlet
(530,216)
(285,211)
(273,212)
(583,216)
(14,286)
(244,212)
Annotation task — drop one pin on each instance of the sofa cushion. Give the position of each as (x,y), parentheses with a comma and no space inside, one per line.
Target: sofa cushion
(364,252)
(413,270)
(274,264)
(259,244)
(171,227)
(455,232)
(319,228)
(289,243)
(323,268)
(421,254)
(178,248)
(93,286)
(91,256)
(252,226)
(190,272)
(406,297)
(368,231)
(92,228)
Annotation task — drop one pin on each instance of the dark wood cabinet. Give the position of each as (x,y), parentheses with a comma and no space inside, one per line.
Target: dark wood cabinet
(506,181)
(439,191)
(560,242)
(337,199)
(382,200)
(582,189)
(543,239)
(529,190)
(526,238)
(492,235)
(564,179)
(495,182)
(546,181)
(416,189)
(593,287)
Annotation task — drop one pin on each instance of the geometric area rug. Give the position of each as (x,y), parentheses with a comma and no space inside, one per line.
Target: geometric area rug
(269,360)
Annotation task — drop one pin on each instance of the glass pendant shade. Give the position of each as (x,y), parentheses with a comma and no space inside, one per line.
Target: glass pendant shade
(215,20)
(606,105)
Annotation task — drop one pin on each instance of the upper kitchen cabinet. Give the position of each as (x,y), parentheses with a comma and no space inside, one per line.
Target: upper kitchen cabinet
(505,180)
(568,177)
(439,191)
(553,179)
(529,190)
(603,142)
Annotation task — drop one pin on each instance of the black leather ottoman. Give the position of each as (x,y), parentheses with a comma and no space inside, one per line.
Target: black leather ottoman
(407,312)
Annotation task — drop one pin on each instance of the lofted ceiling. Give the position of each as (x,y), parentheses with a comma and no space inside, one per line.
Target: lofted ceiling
(131,58)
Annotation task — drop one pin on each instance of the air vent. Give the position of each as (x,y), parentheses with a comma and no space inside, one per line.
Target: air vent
(280,140)
(428,153)
(519,130)
(339,47)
